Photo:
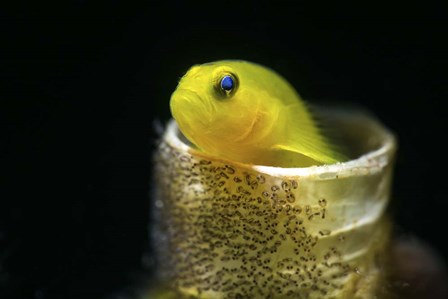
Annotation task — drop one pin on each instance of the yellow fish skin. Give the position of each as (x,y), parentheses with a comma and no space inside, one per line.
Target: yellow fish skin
(246,112)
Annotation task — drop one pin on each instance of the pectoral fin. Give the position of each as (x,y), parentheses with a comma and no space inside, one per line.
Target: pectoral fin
(320,155)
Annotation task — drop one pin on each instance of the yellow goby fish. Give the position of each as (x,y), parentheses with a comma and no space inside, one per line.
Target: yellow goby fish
(246,112)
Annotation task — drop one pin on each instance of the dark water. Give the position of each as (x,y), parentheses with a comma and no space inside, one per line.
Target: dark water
(83,83)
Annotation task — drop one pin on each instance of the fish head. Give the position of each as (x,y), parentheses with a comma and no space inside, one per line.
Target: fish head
(224,104)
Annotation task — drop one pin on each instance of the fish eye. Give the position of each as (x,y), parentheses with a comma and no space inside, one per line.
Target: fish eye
(227,85)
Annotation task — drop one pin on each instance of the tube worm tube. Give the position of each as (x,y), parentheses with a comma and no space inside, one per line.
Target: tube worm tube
(228,230)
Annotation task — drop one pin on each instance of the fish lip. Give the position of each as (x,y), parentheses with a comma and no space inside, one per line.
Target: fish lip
(187,96)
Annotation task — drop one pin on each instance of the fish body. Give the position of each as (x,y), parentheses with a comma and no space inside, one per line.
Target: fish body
(246,112)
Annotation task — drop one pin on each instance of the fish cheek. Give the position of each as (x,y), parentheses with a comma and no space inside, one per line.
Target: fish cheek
(246,126)
(267,124)
(224,123)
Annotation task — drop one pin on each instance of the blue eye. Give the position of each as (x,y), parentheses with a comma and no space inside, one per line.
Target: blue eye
(227,83)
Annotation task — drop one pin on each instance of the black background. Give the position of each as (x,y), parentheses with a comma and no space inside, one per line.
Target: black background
(84,84)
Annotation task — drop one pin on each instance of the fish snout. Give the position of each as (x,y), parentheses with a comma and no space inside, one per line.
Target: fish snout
(184,99)
(186,105)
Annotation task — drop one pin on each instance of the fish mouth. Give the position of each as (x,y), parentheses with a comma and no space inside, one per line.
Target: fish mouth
(187,106)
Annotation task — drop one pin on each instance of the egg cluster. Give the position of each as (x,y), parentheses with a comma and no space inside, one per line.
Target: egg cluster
(226,231)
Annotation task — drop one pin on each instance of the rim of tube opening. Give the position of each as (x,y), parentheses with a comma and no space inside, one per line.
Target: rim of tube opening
(370,162)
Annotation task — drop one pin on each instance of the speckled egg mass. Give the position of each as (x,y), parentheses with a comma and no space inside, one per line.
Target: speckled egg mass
(229,230)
